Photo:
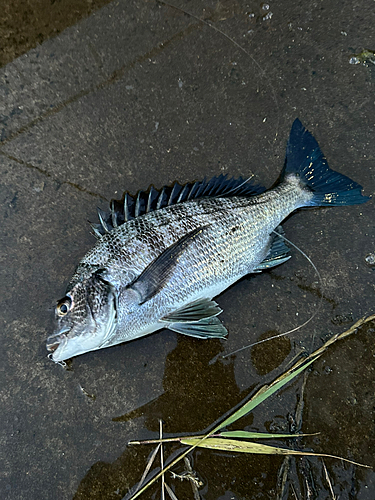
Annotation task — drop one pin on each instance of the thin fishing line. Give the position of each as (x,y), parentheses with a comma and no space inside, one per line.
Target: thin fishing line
(218,30)
(222,33)
(240,186)
(297,327)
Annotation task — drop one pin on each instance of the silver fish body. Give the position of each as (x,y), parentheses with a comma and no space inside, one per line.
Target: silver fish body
(163,268)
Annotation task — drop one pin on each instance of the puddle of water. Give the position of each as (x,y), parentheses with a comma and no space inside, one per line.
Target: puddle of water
(197,393)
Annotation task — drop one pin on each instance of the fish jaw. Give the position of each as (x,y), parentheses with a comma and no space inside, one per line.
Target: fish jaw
(61,348)
(64,344)
(56,344)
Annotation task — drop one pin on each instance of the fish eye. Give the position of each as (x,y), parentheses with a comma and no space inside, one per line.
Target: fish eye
(64,306)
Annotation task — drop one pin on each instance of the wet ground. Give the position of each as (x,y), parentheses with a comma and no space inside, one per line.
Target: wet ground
(26,23)
(138,93)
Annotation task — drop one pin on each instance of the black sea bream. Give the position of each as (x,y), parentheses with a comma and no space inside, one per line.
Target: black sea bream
(163,256)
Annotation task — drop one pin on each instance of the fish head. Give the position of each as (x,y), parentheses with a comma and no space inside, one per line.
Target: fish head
(86,318)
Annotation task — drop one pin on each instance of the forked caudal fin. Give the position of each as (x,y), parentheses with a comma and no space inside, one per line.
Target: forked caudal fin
(305,160)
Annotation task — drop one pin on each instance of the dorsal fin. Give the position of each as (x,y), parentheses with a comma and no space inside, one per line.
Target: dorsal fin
(130,207)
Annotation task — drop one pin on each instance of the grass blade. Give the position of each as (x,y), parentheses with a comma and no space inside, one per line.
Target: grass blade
(237,434)
(161,459)
(170,492)
(258,435)
(148,467)
(259,397)
(234,445)
(265,392)
(328,481)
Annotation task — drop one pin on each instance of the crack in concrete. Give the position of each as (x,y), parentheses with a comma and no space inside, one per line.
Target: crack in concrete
(48,174)
(112,78)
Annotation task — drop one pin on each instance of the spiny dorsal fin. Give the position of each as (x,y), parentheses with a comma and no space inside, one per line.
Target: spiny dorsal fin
(130,207)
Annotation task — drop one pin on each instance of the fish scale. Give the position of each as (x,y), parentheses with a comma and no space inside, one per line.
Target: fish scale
(162,257)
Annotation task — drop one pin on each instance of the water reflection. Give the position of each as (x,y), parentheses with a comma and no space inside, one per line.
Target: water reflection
(196,394)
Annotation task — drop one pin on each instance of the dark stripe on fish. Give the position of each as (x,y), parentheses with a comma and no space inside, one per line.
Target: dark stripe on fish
(156,274)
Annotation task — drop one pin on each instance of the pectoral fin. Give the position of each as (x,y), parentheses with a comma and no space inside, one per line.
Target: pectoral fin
(209,328)
(157,273)
(197,319)
(195,311)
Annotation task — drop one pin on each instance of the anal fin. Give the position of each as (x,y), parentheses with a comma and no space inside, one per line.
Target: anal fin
(277,254)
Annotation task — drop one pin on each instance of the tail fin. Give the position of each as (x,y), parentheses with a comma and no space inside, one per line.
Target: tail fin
(305,160)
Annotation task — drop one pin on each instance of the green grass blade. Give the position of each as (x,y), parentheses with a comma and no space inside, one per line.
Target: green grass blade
(265,393)
(259,397)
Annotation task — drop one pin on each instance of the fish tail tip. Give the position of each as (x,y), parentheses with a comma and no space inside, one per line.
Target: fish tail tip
(305,159)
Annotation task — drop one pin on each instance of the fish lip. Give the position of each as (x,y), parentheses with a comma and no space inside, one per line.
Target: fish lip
(55,340)
(52,347)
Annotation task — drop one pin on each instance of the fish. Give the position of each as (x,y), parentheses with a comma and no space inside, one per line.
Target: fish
(162,256)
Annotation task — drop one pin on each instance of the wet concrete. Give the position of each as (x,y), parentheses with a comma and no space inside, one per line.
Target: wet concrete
(24,24)
(140,92)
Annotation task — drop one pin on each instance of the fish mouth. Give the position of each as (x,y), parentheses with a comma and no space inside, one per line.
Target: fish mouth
(56,340)
(52,347)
